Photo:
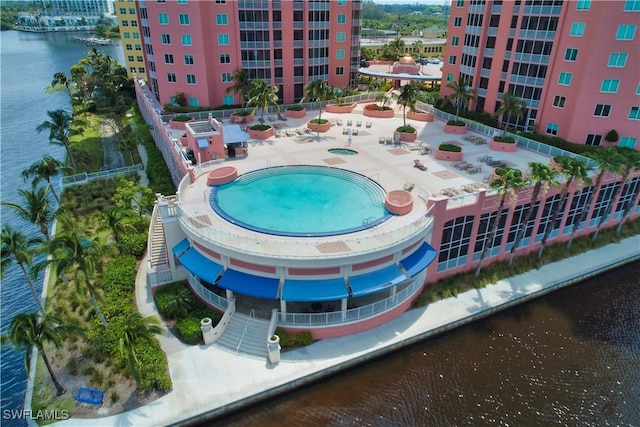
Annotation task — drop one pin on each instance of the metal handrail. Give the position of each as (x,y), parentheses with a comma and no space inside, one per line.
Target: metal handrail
(244,331)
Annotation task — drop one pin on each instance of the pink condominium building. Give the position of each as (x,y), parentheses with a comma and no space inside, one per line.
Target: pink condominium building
(193,47)
(576,64)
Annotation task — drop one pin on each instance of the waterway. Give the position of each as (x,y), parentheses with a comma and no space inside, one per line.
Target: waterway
(28,63)
(570,358)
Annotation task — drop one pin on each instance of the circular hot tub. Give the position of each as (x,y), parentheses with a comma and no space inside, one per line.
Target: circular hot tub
(342,151)
(399,202)
(222,175)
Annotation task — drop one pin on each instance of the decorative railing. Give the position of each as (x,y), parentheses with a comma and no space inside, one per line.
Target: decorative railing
(83,178)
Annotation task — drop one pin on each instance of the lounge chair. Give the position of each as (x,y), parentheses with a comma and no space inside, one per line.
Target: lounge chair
(349,122)
(418,164)
(368,124)
(345,131)
(354,132)
(381,140)
(359,124)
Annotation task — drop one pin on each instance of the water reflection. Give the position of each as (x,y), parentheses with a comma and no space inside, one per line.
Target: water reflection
(572,357)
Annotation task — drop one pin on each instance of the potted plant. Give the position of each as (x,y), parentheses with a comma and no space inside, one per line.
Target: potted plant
(462,94)
(421,116)
(407,98)
(450,152)
(611,136)
(318,91)
(503,143)
(178,122)
(262,96)
(295,112)
(380,109)
(340,106)
(511,106)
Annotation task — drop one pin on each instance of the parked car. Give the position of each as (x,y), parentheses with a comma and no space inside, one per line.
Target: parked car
(433,61)
(422,61)
(364,63)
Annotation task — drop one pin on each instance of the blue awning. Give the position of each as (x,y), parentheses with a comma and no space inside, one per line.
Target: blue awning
(419,260)
(233,134)
(369,283)
(200,265)
(181,247)
(248,284)
(314,290)
(202,142)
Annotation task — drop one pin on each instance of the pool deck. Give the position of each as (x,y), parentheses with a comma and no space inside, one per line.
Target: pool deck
(209,381)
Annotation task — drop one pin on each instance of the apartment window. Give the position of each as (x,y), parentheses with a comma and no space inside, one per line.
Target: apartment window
(223,39)
(184,19)
(193,102)
(130,58)
(577,29)
(128,47)
(132,11)
(602,110)
(163,18)
(132,70)
(339,71)
(558,101)
(186,40)
(628,142)
(225,58)
(634,113)
(339,53)
(166,38)
(227,77)
(125,23)
(342,18)
(341,36)
(228,100)
(617,59)
(171,77)
(552,128)
(457,21)
(460,3)
(565,78)
(342,2)
(221,1)
(583,5)
(449,77)
(191,79)
(168,58)
(625,32)
(123,10)
(188,60)
(632,6)
(570,54)
(127,35)
(609,85)
(455,41)
(638,89)
(136,35)
(452,59)
(593,139)
(134,23)
(138,47)
(222,19)
(141,69)
(139,58)
(455,242)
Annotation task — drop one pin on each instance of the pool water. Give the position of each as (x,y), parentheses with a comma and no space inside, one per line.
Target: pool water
(301,201)
(343,151)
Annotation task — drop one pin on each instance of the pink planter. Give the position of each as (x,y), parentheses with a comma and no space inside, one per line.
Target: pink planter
(380,114)
(295,114)
(222,175)
(448,155)
(503,146)
(407,137)
(333,108)
(420,116)
(317,127)
(173,124)
(458,130)
(399,202)
(260,134)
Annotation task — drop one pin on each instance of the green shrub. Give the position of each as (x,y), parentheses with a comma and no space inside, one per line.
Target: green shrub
(295,108)
(406,129)
(611,136)
(133,243)
(243,113)
(452,148)
(120,276)
(294,340)
(506,139)
(174,300)
(189,330)
(319,121)
(456,123)
(260,127)
(154,369)
(181,118)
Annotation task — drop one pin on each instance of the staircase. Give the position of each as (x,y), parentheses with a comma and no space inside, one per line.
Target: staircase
(158,244)
(249,332)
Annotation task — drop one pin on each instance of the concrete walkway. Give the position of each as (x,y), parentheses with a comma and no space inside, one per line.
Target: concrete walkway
(209,381)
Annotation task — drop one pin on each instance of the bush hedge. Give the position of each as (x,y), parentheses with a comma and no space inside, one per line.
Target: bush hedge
(406,129)
(506,139)
(319,121)
(452,148)
(133,243)
(294,340)
(295,108)
(260,127)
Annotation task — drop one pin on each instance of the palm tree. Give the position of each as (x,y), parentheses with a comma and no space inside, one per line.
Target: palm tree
(30,329)
(61,83)
(69,249)
(620,166)
(317,91)
(241,84)
(46,168)
(36,208)
(383,99)
(397,47)
(574,170)
(16,246)
(542,176)
(462,94)
(262,96)
(115,220)
(510,106)
(608,159)
(632,163)
(60,130)
(137,328)
(506,183)
(407,98)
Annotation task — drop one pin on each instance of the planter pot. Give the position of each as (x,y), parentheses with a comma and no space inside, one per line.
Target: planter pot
(295,114)
(448,155)
(379,114)
(261,134)
(399,202)
(273,347)
(236,118)
(333,108)
(503,146)
(180,125)
(316,127)
(421,116)
(407,136)
(457,130)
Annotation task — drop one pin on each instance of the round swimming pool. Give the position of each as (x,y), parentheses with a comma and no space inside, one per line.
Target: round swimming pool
(343,151)
(301,201)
